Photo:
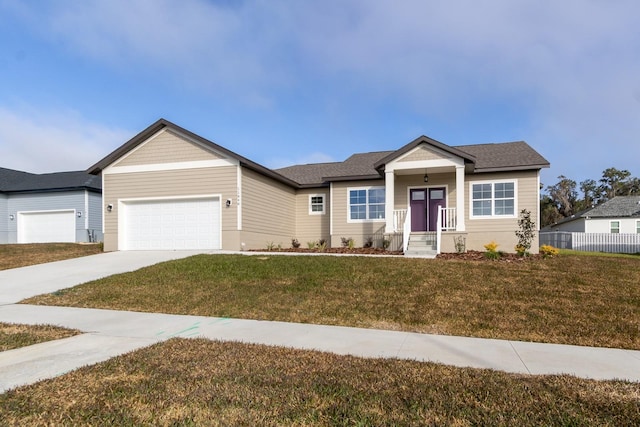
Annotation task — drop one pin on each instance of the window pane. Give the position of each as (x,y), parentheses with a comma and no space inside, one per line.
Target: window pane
(358,197)
(504,207)
(637,226)
(615,227)
(376,195)
(481,191)
(504,190)
(482,208)
(376,212)
(359,212)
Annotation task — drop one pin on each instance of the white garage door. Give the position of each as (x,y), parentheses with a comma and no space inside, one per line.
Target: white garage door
(47,226)
(171,224)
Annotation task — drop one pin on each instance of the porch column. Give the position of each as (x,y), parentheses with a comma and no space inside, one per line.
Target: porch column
(389,202)
(460,191)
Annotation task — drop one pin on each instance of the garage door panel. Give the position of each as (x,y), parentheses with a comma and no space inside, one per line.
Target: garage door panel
(172,224)
(47,227)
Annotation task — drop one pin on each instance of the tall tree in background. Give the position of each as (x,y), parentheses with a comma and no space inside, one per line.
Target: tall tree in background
(612,183)
(564,195)
(589,188)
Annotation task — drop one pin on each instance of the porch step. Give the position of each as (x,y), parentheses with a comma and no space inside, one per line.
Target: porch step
(422,245)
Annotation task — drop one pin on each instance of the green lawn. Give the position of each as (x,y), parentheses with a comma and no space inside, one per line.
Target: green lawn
(22,255)
(201,382)
(568,299)
(15,336)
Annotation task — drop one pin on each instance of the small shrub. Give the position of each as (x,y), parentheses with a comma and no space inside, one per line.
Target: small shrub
(322,245)
(521,250)
(460,244)
(386,243)
(525,233)
(270,246)
(548,251)
(368,242)
(347,242)
(492,250)
(294,243)
(312,245)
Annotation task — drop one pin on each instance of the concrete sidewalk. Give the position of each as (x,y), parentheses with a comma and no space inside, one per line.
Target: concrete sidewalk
(110,333)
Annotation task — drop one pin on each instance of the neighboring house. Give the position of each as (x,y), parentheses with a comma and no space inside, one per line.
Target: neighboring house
(618,215)
(51,207)
(168,188)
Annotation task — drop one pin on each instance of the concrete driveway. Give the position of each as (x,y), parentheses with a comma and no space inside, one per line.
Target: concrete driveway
(20,283)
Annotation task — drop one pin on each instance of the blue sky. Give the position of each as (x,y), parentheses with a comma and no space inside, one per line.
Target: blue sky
(290,81)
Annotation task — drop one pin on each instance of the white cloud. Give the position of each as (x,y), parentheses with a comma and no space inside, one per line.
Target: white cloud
(570,66)
(40,142)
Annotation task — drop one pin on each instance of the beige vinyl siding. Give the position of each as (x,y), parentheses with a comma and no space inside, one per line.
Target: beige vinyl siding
(166,147)
(502,231)
(167,184)
(311,228)
(358,231)
(422,153)
(268,211)
(404,182)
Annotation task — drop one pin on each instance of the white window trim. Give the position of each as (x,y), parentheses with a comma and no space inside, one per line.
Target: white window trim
(324,204)
(638,226)
(349,190)
(611,226)
(493,215)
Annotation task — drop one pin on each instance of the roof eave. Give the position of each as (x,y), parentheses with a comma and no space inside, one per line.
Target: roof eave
(426,140)
(512,168)
(352,178)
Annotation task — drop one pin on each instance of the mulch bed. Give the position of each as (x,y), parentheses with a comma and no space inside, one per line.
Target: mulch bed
(466,256)
(338,250)
(481,256)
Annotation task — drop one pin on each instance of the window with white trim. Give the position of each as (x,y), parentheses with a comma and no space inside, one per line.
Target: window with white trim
(638,226)
(614,227)
(316,204)
(366,203)
(493,199)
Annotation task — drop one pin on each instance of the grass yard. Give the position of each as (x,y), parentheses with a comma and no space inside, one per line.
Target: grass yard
(569,299)
(22,255)
(16,336)
(201,382)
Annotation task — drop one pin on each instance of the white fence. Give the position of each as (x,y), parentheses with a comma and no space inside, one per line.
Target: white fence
(592,242)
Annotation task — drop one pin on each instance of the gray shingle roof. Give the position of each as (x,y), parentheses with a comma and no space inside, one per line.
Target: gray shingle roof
(618,207)
(486,158)
(17,181)
(504,155)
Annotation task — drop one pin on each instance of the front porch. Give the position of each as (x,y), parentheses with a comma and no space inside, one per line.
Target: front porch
(423,242)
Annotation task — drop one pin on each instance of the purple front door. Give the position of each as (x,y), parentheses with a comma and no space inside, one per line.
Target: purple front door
(424,207)
(418,209)
(436,200)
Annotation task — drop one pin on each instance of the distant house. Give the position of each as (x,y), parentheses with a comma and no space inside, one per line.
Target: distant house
(618,215)
(168,188)
(51,207)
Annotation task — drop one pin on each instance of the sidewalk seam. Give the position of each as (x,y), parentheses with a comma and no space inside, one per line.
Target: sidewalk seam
(518,354)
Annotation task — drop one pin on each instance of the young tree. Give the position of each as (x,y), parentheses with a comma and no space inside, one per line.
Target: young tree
(525,233)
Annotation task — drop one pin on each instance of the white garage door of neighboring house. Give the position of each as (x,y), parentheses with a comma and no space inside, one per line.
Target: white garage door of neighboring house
(171,224)
(47,226)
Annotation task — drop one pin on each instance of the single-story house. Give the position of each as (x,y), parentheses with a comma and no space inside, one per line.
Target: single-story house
(50,207)
(168,188)
(618,215)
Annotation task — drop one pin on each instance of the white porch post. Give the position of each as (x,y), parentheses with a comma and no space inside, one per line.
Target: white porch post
(389,202)
(460,190)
